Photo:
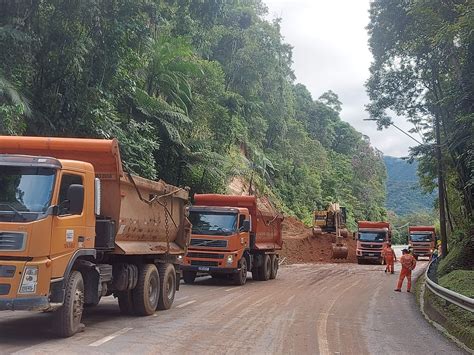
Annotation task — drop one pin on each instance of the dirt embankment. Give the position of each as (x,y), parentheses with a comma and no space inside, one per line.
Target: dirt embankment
(299,246)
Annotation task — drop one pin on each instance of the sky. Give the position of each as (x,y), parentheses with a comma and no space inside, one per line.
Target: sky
(330,52)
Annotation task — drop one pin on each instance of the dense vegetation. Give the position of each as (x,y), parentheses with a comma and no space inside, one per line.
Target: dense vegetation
(195,91)
(423,70)
(404,193)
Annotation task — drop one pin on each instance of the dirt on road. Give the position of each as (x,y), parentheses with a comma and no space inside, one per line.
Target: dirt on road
(307,309)
(299,245)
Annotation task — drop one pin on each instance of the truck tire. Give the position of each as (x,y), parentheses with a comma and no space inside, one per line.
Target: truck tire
(125,302)
(240,278)
(265,269)
(359,261)
(274,263)
(189,277)
(256,273)
(147,292)
(67,320)
(167,286)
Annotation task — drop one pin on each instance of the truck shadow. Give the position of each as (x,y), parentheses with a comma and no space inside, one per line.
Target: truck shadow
(27,330)
(24,329)
(207,280)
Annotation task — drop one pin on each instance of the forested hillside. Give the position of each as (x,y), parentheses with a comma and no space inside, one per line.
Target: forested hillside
(196,92)
(404,193)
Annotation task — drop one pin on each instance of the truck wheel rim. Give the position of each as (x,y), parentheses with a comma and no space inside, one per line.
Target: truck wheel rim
(153,291)
(78,305)
(244,270)
(169,287)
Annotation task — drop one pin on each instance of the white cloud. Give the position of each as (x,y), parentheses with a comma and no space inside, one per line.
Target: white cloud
(330,52)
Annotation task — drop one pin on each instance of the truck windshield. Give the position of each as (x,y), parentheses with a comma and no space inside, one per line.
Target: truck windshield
(420,237)
(372,236)
(213,223)
(25,192)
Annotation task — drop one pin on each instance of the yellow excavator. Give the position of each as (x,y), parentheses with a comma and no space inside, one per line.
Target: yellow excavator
(333,220)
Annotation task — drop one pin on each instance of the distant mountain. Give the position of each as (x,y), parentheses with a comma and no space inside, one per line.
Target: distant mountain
(404,194)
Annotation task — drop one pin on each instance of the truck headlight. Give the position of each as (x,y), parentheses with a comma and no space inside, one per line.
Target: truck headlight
(180,258)
(230,259)
(29,280)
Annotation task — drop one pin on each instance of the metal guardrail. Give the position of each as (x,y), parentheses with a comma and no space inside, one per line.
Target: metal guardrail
(453,297)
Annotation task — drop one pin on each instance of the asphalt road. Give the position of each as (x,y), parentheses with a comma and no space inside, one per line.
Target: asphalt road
(308,309)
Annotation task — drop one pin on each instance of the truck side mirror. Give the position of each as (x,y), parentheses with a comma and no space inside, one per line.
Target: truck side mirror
(75,196)
(246,226)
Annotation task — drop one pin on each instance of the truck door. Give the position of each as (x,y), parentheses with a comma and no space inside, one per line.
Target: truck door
(67,228)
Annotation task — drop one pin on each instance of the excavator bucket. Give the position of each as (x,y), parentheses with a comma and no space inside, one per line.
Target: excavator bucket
(339,249)
(339,252)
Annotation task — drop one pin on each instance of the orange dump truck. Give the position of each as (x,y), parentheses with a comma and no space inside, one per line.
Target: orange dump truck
(230,236)
(75,228)
(371,239)
(422,240)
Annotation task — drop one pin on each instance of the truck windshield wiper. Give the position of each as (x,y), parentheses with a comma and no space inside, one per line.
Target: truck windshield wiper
(14,210)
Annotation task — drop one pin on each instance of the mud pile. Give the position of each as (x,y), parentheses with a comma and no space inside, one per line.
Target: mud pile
(299,246)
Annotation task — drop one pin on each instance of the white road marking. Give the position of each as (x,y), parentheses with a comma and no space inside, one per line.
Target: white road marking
(186,304)
(231,289)
(110,337)
(323,343)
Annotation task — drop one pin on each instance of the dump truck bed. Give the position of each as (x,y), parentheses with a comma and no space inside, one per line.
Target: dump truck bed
(149,215)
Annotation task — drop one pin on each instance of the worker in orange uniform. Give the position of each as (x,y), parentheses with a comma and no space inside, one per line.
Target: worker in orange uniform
(408,262)
(389,255)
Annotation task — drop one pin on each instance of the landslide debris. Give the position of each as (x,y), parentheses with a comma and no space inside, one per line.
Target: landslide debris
(299,246)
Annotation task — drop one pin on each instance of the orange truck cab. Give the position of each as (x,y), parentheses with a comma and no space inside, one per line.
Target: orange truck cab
(74,228)
(230,236)
(371,239)
(422,240)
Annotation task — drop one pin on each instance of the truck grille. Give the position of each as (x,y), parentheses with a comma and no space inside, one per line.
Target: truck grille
(205,255)
(203,263)
(12,241)
(7,270)
(212,243)
(371,246)
(4,289)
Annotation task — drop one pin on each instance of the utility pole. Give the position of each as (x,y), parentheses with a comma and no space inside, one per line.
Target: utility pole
(441,192)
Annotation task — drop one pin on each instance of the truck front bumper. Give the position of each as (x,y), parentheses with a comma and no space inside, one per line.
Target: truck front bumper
(37,303)
(210,269)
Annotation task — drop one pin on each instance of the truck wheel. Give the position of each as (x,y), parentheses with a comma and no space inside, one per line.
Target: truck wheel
(67,320)
(125,302)
(240,278)
(167,286)
(266,268)
(147,292)
(359,261)
(189,277)
(256,273)
(274,263)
